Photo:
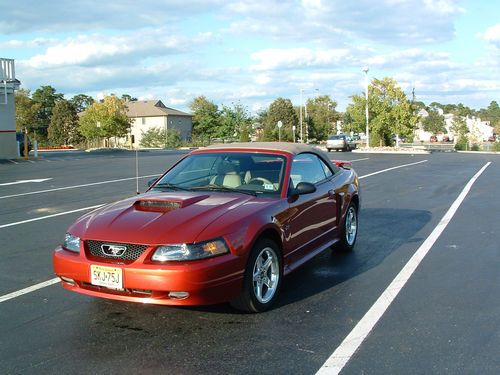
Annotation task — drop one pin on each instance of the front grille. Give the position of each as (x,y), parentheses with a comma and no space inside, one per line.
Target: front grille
(133,251)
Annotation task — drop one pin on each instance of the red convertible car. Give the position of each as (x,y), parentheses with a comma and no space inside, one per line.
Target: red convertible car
(225,223)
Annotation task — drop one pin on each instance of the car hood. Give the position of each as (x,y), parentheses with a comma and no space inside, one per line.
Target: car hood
(157,218)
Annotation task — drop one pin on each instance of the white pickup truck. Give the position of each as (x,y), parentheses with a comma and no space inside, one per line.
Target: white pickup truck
(340,142)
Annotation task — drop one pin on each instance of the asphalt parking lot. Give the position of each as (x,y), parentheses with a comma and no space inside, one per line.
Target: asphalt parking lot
(444,319)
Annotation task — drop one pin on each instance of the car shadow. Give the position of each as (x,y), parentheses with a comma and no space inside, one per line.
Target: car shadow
(382,231)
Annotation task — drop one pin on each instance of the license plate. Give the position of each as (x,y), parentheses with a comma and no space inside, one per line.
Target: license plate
(109,277)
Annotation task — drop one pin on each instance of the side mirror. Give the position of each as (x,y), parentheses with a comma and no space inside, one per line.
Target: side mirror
(152,181)
(304,188)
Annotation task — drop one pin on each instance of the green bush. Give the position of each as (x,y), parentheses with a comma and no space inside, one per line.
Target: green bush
(496,147)
(155,137)
(461,144)
(474,147)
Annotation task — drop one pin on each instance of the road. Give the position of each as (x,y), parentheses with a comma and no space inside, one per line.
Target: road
(445,319)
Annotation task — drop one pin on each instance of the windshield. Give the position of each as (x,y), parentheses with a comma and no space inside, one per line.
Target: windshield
(255,173)
(332,137)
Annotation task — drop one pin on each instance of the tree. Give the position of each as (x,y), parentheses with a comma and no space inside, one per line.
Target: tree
(128,98)
(63,128)
(81,102)
(390,112)
(206,117)
(460,130)
(459,126)
(26,111)
(280,110)
(322,117)
(234,121)
(434,123)
(46,97)
(491,114)
(105,119)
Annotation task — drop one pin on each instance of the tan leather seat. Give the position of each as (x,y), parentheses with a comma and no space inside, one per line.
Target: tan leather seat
(227,175)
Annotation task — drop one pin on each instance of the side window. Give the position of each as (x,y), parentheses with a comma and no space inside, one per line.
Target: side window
(307,168)
(326,169)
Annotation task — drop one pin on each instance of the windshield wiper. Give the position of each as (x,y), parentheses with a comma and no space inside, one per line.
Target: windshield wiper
(223,188)
(171,186)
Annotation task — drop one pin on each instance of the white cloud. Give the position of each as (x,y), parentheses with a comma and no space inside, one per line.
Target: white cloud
(120,49)
(492,35)
(444,6)
(60,15)
(274,58)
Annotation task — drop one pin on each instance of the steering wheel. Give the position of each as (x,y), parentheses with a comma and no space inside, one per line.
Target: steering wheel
(260,181)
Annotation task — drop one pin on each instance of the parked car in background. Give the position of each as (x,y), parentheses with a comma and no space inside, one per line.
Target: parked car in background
(340,142)
(226,223)
(433,138)
(20,139)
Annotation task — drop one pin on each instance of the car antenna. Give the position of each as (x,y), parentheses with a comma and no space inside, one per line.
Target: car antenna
(137,171)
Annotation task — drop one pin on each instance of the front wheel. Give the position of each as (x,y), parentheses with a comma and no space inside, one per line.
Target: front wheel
(349,229)
(262,278)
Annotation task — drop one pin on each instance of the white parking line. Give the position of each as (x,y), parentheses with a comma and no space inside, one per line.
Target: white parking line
(339,358)
(89,208)
(12,161)
(75,186)
(392,168)
(360,159)
(29,289)
(49,216)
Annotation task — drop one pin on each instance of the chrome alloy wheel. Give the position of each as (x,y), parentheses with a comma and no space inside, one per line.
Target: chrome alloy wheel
(351,225)
(266,275)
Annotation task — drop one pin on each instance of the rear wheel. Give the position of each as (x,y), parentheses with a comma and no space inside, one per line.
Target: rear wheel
(349,229)
(262,278)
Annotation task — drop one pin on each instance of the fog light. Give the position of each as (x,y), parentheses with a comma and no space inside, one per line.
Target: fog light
(67,280)
(178,295)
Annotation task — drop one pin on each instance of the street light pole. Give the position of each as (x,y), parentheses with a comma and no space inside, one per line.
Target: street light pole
(366,107)
(301,134)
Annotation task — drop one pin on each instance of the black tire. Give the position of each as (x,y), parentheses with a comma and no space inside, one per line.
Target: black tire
(329,149)
(248,300)
(347,238)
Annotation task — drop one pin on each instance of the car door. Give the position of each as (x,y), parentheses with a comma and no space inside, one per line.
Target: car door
(311,217)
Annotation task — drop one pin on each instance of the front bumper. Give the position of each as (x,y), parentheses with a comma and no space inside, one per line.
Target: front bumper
(207,281)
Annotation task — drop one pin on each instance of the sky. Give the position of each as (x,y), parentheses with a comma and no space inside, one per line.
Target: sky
(254,51)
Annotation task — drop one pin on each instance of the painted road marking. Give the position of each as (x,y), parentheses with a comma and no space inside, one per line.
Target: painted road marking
(392,168)
(12,161)
(50,216)
(339,358)
(76,186)
(89,208)
(360,159)
(25,181)
(29,289)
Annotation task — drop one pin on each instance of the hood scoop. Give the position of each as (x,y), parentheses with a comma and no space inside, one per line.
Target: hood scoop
(165,205)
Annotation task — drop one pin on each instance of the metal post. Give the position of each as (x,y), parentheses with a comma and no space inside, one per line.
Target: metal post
(26,151)
(366,107)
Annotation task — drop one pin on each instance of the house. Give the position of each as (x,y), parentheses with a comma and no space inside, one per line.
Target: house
(148,114)
(8,84)
(479,131)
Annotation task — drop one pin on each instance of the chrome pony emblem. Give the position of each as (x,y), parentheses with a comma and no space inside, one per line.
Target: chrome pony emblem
(113,250)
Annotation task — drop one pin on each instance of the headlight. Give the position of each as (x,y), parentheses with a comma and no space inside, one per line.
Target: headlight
(71,243)
(181,252)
